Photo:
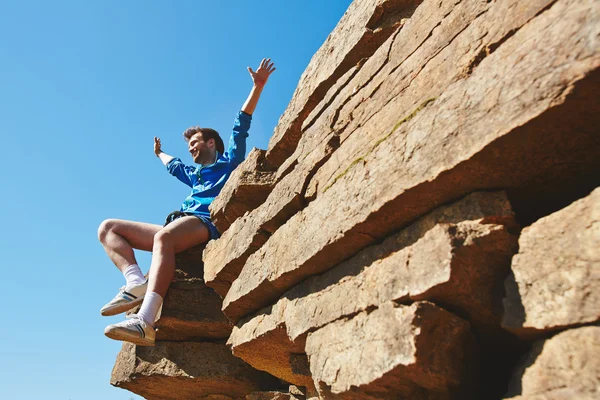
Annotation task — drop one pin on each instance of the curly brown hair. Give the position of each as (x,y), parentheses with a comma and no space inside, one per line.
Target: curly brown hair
(207,134)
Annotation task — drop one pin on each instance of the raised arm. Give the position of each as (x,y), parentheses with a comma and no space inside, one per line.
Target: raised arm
(237,142)
(164,157)
(259,78)
(174,165)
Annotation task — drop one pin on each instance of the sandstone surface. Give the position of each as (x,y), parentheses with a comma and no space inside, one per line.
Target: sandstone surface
(457,255)
(364,254)
(247,187)
(505,122)
(272,396)
(556,274)
(362,29)
(186,370)
(438,42)
(565,366)
(406,350)
(192,312)
(224,258)
(263,343)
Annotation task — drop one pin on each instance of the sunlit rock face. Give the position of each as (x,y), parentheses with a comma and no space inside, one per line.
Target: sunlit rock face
(423,224)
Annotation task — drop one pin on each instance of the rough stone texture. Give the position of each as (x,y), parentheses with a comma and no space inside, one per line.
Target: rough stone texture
(441,43)
(457,255)
(263,343)
(192,312)
(494,122)
(305,147)
(565,366)
(559,394)
(349,91)
(405,350)
(224,258)
(362,29)
(186,370)
(556,281)
(247,187)
(273,396)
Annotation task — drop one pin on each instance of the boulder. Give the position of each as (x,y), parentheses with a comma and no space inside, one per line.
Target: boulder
(458,256)
(417,352)
(495,121)
(192,312)
(565,366)
(273,395)
(556,274)
(186,370)
(263,343)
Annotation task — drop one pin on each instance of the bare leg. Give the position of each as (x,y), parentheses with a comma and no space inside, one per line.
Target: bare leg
(181,234)
(120,237)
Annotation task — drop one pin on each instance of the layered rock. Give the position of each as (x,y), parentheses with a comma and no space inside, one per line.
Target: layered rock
(264,343)
(192,311)
(226,256)
(272,396)
(373,265)
(565,366)
(523,124)
(416,352)
(556,275)
(359,34)
(190,359)
(186,370)
(458,256)
(247,187)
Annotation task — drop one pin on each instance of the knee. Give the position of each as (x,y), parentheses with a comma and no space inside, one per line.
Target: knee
(164,238)
(107,226)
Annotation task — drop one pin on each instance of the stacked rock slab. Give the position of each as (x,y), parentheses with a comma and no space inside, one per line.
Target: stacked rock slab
(484,146)
(412,352)
(553,287)
(566,366)
(457,256)
(556,275)
(247,187)
(375,267)
(190,359)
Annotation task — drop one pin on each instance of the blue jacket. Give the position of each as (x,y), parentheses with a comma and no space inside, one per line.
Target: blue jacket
(207,181)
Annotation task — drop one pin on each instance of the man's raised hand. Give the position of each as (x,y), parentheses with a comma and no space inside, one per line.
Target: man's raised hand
(264,70)
(157,146)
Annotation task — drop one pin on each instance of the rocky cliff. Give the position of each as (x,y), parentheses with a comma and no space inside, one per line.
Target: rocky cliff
(425,223)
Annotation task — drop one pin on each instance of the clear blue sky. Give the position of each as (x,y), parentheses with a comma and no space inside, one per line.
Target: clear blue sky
(84,87)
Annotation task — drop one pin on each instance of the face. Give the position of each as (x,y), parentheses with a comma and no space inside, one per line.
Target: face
(199,149)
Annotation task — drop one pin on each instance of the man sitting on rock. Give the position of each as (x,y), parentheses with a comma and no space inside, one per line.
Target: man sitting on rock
(189,227)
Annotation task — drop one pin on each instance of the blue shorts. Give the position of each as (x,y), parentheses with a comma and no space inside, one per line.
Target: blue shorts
(212,229)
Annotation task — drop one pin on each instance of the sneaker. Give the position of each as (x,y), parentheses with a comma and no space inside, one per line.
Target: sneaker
(134,329)
(126,299)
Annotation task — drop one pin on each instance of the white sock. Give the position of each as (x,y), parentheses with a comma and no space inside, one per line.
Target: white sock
(133,275)
(150,306)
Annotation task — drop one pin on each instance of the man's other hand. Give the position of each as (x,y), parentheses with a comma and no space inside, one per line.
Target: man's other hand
(157,145)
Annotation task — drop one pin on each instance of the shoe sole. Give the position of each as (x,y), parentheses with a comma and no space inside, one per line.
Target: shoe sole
(121,308)
(125,336)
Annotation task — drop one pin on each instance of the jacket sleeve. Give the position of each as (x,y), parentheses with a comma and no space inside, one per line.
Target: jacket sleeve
(237,142)
(182,172)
